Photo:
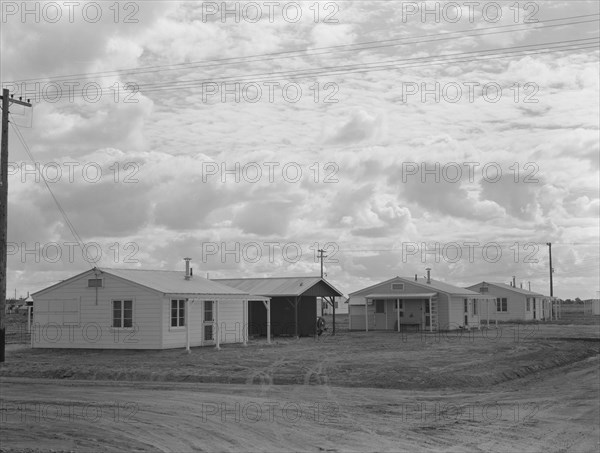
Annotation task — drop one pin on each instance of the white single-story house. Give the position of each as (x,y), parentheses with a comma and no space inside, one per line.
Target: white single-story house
(138,309)
(518,304)
(341,306)
(422,303)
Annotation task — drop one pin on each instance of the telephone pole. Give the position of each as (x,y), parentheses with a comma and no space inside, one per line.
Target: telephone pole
(549,244)
(6,101)
(321,256)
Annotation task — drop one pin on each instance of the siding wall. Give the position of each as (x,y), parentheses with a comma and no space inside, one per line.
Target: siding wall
(516,304)
(231,324)
(70,317)
(450,310)
(357,315)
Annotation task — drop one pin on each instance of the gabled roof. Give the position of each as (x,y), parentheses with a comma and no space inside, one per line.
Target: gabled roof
(172,282)
(422,282)
(278,286)
(166,282)
(508,287)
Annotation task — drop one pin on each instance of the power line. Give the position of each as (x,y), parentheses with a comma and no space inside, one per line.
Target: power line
(307,52)
(60,208)
(387,64)
(469,57)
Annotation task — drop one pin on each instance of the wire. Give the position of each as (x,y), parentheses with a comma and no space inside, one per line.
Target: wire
(560,46)
(60,208)
(328,49)
(339,70)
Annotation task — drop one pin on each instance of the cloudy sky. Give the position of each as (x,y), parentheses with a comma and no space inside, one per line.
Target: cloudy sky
(394,135)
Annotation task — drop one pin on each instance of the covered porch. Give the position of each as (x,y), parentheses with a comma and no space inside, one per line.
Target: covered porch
(399,312)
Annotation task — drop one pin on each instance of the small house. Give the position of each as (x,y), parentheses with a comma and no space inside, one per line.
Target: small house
(340,306)
(138,309)
(517,304)
(419,303)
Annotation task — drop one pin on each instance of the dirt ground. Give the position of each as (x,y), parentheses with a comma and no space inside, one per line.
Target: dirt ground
(530,388)
(557,412)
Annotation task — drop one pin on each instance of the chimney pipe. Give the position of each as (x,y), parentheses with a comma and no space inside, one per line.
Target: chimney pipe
(428,274)
(187,268)
(514,283)
(415,277)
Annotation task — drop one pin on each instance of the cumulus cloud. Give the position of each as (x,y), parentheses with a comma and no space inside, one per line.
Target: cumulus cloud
(362,126)
(359,127)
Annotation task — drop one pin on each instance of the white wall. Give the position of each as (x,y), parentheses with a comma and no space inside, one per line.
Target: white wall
(516,304)
(231,324)
(73,316)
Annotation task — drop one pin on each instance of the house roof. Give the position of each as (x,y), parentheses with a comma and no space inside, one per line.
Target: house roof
(277,286)
(422,282)
(167,282)
(172,282)
(400,296)
(508,287)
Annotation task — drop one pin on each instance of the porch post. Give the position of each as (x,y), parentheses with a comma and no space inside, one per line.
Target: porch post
(244,330)
(366,316)
(269,321)
(217,330)
(430,316)
(187,325)
(333,305)
(398,313)
(296,314)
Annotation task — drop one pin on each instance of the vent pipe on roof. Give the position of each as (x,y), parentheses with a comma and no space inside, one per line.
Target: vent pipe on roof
(529,283)
(514,282)
(415,277)
(428,274)
(521,285)
(187,268)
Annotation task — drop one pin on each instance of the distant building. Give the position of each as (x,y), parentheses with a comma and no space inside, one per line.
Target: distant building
(517,304)
(592,306)
(420,303)
(341,306)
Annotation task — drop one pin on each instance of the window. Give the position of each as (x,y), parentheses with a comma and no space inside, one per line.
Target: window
(400,303)
(466,306)
(528,304)
(474,307)
(208,319)
(94,283)
(501,304)
(177,312)
(61,312)
(122,313)
(379,306)
(397,286)
(208,310)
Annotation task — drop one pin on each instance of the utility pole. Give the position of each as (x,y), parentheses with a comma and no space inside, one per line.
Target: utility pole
(6,101)
(549,244)
(321,256)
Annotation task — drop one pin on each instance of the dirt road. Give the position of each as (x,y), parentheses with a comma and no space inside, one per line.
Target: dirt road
(556,411)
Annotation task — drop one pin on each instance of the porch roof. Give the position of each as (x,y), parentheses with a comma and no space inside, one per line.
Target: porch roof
(401,296)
